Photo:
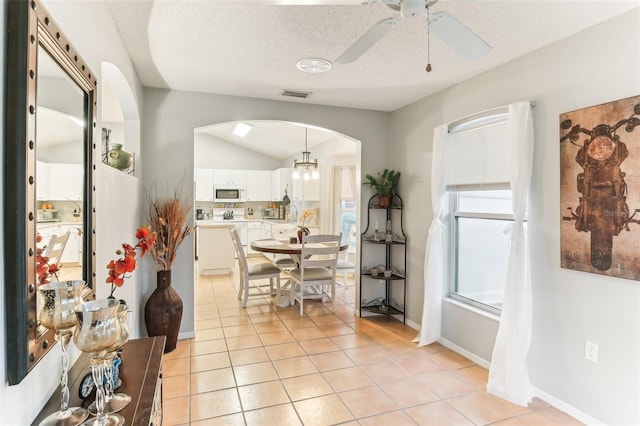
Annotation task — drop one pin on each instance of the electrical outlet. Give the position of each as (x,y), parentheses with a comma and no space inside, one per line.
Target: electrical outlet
(591,352)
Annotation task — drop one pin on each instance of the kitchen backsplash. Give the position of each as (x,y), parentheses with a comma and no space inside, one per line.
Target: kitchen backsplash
(258,207)
(62,210)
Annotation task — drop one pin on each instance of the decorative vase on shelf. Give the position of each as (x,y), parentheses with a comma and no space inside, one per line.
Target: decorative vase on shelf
(163,311)
(301,232)
(118,158)
(384,200)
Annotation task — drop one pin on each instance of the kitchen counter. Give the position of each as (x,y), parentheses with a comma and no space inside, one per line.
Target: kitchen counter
(213,224)
(231,221)
(58,222)
(215,250)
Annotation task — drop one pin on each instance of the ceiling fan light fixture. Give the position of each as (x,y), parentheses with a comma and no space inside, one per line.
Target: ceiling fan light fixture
(314,65)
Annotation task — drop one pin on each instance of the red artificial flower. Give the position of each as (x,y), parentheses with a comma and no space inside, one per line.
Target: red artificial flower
(117,269)
(44,270)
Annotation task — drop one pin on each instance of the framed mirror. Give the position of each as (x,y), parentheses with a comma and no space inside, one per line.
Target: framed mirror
(51,99)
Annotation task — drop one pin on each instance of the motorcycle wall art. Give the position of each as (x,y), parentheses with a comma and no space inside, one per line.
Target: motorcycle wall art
(600,189)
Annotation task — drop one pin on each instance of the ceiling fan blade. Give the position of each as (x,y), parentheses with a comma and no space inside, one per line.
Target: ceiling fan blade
(367,40)
(460,38)
(314,2)
(327,2)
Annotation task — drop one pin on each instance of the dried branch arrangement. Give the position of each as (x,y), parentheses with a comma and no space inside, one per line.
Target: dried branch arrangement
(168,217)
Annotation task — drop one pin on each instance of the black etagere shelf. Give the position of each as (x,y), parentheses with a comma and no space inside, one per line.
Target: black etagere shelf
(392,269)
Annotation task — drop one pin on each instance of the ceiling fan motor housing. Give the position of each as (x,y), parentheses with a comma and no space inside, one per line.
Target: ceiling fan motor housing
(412,8)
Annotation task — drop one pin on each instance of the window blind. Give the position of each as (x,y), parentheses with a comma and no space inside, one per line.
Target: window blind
(478,158)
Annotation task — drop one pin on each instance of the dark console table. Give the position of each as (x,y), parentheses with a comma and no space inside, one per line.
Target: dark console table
(141,375)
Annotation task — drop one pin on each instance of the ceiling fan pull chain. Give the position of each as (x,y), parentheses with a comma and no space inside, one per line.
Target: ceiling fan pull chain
(428,39)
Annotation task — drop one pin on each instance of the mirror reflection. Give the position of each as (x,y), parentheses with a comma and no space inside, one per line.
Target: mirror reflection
(60,128)
(49,161)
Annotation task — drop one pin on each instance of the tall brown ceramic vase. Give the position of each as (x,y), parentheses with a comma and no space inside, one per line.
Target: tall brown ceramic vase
(163,311)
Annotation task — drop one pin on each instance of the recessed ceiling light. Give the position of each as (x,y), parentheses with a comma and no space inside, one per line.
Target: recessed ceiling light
(241,129)
(314,65)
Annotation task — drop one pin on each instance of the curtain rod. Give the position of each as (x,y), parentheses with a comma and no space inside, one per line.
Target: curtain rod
(486,112)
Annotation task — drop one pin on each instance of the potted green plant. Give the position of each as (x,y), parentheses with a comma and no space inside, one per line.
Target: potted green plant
(385,185)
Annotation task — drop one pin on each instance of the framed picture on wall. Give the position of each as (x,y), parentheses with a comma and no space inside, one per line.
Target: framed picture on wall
(600,189)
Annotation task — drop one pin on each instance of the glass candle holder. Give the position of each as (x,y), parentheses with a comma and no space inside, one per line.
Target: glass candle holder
(57,313)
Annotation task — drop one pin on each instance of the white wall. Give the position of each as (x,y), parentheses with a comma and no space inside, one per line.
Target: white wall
(171,116)
(599,65)
(97,40)
(215,153)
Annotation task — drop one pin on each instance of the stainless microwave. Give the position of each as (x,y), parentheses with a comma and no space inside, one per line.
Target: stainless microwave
(228,194)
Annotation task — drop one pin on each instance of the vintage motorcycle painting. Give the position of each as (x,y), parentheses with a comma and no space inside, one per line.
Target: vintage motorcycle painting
(600,189)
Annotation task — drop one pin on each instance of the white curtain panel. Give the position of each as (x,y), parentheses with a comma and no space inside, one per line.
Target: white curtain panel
(508,375)
(434,253)
(351,172)
(335,190)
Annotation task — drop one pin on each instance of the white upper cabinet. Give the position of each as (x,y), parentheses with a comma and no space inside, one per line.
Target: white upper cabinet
(204,184)
(65,181)
(42,180)
(306,190)
(258,185)
(281,180)
(230,177)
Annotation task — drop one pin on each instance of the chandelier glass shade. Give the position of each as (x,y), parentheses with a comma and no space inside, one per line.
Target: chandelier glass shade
(305,169)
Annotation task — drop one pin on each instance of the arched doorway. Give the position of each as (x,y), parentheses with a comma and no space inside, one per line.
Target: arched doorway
(271,147)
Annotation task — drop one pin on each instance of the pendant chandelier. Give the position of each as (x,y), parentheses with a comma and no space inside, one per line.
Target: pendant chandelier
(306,168)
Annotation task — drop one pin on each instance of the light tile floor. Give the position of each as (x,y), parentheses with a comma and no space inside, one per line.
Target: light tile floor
(266,365)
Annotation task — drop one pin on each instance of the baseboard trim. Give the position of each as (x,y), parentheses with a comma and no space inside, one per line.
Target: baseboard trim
(413,325)
(539,393)
(566,408)
(465,353)
(187,335)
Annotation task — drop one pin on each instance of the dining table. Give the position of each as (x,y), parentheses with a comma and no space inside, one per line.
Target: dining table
(285,247)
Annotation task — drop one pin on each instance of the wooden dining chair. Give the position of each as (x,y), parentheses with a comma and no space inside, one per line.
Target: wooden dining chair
(317,270)
(345,265)
(55,247)
(249,273)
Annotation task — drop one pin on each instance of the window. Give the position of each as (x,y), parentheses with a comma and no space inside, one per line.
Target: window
(476,176)
(343,200)
(347,217)
(480,246)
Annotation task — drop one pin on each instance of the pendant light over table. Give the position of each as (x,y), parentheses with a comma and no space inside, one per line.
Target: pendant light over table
(306,168)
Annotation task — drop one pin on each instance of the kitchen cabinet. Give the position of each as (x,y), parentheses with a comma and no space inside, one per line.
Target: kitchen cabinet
(283,231)
(66,181)
(230,177)
(215,249)
(42,180)
(306,190)
(281,180)
(254,232)
(258,185)
(73,250)
(72,253)
(204,184)
(266,230)
(242,231)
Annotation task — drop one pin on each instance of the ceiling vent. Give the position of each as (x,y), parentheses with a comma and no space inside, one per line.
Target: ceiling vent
(296,94)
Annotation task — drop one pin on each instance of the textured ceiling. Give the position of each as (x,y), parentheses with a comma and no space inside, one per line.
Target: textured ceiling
(250,48)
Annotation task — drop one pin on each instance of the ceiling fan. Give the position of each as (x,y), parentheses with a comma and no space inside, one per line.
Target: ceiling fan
(444,25)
